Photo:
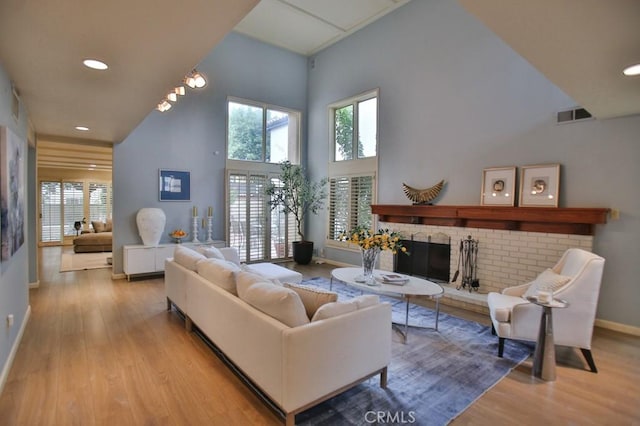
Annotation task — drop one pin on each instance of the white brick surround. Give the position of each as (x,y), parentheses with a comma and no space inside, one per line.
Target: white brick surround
(505,258)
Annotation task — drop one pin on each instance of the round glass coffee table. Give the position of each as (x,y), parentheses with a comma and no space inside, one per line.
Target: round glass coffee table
(413,287)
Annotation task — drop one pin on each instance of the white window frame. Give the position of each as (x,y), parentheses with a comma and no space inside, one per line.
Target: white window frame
(356,167)
(294,150)
(256,167)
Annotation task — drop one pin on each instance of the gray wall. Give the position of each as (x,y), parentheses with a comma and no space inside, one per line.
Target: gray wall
(455,99)
(14,276)
(187,136)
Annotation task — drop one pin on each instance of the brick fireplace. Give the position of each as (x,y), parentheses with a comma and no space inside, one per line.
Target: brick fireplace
(506,257)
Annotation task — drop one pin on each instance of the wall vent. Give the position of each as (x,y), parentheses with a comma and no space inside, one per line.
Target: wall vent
(572,115)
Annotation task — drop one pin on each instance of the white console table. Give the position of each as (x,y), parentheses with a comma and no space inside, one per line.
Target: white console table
(141,259)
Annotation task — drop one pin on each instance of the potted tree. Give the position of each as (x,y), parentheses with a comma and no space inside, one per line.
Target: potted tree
(297,195)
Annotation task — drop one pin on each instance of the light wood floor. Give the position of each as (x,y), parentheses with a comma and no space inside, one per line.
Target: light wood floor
(98,351)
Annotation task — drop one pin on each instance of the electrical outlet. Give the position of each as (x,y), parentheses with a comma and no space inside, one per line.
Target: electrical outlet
(615,214)
(9,320)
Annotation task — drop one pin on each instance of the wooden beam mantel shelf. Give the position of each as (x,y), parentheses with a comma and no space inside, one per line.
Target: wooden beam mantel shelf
(579,221)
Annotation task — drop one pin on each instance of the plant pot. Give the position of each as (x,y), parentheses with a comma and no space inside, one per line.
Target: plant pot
(302,252)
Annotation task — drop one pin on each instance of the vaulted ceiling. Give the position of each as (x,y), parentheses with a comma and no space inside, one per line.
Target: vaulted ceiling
(580,45)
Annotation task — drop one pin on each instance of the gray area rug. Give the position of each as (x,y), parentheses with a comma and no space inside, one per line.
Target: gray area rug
(432,378)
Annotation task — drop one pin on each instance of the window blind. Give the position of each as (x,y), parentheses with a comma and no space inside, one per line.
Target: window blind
(350,199)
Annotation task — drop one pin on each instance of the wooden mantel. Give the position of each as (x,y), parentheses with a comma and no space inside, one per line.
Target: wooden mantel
(579,221)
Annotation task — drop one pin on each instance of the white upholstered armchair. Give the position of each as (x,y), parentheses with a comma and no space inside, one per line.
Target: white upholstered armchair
(576,278)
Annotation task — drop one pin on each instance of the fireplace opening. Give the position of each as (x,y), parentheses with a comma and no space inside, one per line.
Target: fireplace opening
(429,259)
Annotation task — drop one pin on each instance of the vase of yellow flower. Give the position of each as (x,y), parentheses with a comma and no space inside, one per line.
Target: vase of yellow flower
(369,259)
(371,244)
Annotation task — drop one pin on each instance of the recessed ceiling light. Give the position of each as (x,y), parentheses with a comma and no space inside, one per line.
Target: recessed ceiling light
(82,128)
(632,70)
(92,165)
(95,64)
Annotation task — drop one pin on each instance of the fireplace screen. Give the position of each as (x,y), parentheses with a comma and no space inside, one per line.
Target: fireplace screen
(427,260)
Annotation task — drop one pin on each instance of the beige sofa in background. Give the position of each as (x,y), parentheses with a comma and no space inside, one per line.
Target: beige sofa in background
(98,240)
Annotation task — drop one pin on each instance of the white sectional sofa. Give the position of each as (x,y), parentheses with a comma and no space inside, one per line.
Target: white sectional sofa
(296,365)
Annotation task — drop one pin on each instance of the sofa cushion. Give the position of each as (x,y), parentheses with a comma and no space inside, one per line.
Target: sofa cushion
(334,309)
(186,257)
(312,297)
(547,281)
(108,225)
(278,302)
(220,273)
(98,226)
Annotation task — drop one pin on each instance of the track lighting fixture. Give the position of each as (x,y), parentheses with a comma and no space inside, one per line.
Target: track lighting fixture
(163,106)
(195,80)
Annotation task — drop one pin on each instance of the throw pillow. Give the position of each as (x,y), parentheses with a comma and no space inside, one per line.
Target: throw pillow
(245,279)
(186,257)
(108,226)
(312,297)
(220,273)
(98,226)
(213,253)
(231,254)
(547,281)
(366,300)
(255,277)
(278,302)
(334,309)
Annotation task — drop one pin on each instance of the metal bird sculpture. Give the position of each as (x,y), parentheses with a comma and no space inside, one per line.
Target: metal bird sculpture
(422,196)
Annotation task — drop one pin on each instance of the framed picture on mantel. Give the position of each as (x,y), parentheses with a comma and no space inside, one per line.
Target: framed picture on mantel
(174,185)
(539,185)
(498,186)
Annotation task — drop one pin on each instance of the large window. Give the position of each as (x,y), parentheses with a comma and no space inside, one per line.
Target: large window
(263,133)
(350,203)
(355,128)
(259,137)
(73,205)
(50,211)
(353,169)
(63,203)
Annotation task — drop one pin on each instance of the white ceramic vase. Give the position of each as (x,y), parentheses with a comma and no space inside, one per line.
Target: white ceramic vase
(150,221)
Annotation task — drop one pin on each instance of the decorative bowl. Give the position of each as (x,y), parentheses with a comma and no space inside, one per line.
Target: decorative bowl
(178,236)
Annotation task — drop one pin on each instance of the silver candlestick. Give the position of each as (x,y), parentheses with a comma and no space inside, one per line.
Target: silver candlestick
(195,230)
(209,229)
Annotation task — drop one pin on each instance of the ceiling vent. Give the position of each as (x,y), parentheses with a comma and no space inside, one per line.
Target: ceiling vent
(572,115)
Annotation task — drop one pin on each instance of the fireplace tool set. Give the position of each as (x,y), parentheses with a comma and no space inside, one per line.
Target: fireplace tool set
(468,261)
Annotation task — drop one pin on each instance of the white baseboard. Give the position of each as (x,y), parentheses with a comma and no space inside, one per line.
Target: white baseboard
(35,285)
(333,262)
(616,326)
(14,350)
